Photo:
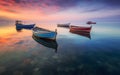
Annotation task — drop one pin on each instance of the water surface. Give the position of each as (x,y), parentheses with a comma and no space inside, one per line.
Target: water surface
(21,54)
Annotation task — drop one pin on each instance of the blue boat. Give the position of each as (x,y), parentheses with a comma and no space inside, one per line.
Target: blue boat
(20,25)
(19,29)
(44,33)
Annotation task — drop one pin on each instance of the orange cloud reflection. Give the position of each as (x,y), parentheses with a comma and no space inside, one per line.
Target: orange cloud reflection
(10,39)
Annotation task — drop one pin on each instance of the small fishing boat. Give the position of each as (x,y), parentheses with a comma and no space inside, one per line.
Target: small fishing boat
(44,33)
(80,28)
(63,25)
(45,42)
(19,29)
(20,25)
(85,34)
(90,22)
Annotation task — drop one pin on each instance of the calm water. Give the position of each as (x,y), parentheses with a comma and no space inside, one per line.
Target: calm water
(97,53)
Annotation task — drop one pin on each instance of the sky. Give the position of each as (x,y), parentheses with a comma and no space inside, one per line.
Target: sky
(59,10)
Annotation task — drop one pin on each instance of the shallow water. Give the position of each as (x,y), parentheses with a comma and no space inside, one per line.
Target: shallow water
(95,54)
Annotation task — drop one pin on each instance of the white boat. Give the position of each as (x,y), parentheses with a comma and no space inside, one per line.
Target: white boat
(44,33)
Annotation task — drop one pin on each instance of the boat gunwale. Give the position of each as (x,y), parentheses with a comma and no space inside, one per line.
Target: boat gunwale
(42,29)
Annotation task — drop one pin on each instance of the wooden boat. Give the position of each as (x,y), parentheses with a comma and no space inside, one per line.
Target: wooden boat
(80,28)
(43,33)
(45,42)
(63,25)
(90,22)
(85,34)
(20,25)
(25,26)
(19,29)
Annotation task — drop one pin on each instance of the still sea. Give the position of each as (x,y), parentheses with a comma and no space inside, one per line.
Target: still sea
(97,53)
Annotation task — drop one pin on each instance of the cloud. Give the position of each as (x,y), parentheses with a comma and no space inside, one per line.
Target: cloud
(50,5)
(57,9)
(54,6)
(112,3)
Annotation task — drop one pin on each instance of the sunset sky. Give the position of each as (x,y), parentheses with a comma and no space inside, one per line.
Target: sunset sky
(59,10)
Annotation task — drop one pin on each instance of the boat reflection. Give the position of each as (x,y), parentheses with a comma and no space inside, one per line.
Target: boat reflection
(46,42)
(85,34)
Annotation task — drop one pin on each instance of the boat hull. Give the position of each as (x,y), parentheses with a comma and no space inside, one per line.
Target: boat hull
(50,35)
(45,34)
(25,26)
(80,29)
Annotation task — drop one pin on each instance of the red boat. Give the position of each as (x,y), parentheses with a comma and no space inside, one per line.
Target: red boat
(80,28)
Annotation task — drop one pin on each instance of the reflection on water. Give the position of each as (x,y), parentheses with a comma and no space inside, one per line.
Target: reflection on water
(48,43)
(85,34)
(20,54)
